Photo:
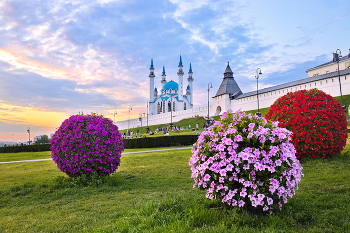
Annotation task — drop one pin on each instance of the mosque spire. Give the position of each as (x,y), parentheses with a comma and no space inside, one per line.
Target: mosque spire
(180,63)
(190,71)
(163,71)
(152,67)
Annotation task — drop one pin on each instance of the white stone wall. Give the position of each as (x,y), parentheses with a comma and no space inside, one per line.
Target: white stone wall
(329,86)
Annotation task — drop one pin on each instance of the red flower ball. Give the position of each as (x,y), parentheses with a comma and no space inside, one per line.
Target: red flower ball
(316,119)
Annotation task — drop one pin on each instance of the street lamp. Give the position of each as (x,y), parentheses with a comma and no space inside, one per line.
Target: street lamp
(336,57)
(28,130)
(140,119)
(130,108)
(258,72)
(147,119)
(171,111)
(115,113)
(210,85)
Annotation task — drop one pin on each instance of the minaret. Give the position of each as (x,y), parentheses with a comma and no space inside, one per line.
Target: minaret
(180,73)
(155,93)
(163,77)
(190,80)
(151,82)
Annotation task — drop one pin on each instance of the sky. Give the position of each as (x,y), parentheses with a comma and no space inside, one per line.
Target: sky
(59,58)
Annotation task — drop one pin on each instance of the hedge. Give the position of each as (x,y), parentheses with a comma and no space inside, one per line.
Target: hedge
(164,141)
(25,148)
(147,142)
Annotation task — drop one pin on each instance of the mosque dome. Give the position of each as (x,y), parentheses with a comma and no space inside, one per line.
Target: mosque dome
(171,85)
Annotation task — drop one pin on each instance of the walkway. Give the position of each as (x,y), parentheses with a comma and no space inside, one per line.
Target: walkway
(126,153)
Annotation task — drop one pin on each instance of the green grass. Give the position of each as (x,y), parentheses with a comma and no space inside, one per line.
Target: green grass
(6,157)
(152,192)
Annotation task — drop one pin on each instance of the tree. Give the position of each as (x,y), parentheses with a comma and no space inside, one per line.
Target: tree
(43,139)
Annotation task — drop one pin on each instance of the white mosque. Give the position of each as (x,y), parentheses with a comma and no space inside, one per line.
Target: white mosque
(171,105)
(171,97)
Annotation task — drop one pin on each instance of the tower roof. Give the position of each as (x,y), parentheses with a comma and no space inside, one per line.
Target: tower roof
(152,64)
(163,71)
(190,71)
(228,72)
(180,63)
(228,84)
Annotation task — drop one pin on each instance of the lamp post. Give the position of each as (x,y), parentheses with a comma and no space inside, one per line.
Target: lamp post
(140,119)
(28,130)
(115,113)
(130,108)
(147,119)
(210,85)
(336,57)
(258,72)
(171,111)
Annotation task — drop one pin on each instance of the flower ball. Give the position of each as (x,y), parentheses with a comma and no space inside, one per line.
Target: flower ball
(87,144)
(316,119)
(247,162)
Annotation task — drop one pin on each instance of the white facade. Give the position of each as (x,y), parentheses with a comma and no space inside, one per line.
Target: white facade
(229,95)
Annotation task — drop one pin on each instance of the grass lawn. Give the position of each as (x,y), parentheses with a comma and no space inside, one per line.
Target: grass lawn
(152,192)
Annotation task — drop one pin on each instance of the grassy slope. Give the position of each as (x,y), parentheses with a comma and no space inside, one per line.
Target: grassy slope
(153,192)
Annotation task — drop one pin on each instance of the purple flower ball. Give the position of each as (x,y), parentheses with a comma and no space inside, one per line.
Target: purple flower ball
(87,144)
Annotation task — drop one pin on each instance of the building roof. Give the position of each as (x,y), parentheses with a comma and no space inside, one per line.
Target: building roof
(295,83)
(171,85)
(346,57)
(228,84)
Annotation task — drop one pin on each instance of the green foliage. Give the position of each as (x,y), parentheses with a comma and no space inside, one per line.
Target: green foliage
(25,148)
(163,141)
(43,139)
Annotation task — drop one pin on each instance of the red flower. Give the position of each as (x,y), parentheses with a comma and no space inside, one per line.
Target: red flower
(316,119)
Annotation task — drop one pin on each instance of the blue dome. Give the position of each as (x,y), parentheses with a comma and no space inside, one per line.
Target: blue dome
(171,85)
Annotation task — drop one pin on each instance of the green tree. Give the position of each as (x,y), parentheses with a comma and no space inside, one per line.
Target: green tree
(43,139)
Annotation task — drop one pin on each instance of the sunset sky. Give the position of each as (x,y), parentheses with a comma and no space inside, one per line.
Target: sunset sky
(59,58)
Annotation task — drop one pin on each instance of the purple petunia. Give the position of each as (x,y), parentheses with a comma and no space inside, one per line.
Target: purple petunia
(86,144)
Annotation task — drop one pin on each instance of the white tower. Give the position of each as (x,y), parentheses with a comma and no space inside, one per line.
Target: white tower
(180,73)
(163,77)
(190,80)
(151,82)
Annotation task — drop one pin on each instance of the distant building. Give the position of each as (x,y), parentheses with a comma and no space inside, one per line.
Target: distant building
(171,96)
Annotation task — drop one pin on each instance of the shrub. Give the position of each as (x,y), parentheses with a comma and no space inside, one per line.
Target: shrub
(244,161)
(162,141)
(316,119)
(87,144)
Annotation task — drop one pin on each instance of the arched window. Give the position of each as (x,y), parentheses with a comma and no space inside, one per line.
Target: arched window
(163,106)
(169,106)
(174,106)
(159,109)
(184,106)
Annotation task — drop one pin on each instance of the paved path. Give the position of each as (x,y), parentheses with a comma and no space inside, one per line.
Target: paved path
(135,152)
